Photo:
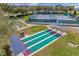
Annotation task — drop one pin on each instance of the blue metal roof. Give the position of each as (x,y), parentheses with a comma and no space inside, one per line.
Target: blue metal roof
(16,45)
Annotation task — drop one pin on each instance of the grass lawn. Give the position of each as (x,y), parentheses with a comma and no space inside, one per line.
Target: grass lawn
(72,12)
(26,18)
(34,29)
(60,47)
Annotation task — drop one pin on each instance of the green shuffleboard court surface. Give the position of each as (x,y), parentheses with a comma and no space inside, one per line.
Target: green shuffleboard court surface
(39,40)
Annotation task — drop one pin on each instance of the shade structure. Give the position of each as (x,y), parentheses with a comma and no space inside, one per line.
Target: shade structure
(16,44)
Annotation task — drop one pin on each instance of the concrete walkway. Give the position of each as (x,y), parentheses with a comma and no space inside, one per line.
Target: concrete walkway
(27,25)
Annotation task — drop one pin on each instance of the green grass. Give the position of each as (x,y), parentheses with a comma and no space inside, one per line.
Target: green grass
(72,12)
(60,47)
(26,18)
(34,29)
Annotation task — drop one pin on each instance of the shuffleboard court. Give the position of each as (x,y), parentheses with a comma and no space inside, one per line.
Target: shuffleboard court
(29,38)
(39,40)
(38,46)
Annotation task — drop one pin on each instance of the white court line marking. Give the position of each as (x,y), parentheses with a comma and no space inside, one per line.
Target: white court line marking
(40,41)
(34,34)
(45,46)
(37,37)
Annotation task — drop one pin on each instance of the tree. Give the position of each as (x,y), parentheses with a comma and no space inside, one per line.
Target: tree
(75,13)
